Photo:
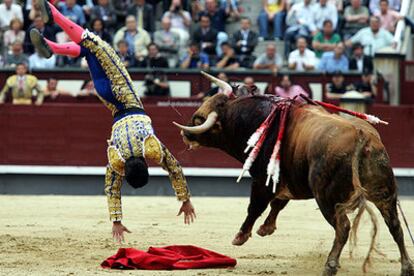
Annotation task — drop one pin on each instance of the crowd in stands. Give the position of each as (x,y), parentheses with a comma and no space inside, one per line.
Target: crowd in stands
(325,35)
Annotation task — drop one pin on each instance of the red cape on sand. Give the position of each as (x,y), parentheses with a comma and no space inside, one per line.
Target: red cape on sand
(168,258)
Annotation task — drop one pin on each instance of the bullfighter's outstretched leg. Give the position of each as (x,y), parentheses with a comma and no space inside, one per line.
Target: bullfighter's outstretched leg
(260,197)
(269,226)
(50,14)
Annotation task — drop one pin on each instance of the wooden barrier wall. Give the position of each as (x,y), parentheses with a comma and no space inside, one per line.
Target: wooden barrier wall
(75,134)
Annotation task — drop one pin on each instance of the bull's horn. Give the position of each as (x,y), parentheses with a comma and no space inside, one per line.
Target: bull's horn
(225,87)
(209,123)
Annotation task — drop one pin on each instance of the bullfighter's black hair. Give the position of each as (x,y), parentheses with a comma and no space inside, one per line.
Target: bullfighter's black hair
(136,172)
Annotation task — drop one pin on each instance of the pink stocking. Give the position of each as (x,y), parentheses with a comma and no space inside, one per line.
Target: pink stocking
(72,29)
(70,49)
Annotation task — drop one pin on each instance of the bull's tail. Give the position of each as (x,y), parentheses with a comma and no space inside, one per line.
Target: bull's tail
(358,200)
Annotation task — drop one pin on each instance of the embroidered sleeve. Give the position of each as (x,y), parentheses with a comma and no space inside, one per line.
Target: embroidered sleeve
(40,93)
(113,183)
(4,91)
(175,172)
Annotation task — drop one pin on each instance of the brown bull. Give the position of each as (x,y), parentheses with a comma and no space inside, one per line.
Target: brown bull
(339,162)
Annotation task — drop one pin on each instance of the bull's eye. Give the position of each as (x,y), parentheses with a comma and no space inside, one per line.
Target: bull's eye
(198,121)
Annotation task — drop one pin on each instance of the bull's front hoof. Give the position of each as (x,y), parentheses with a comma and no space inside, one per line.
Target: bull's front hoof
(241,238)
(331,268)
(266,230)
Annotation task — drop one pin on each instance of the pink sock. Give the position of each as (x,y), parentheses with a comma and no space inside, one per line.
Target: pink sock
(72,29)
(70,49)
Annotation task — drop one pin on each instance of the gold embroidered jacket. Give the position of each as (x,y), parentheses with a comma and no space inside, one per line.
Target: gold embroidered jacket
(133,135)
(22,94)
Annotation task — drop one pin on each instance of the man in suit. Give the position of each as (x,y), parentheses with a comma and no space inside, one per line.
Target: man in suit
(105,12)
(206,36)
(244,41)
(359,61)
(144,15)
(48,31)
(21,86)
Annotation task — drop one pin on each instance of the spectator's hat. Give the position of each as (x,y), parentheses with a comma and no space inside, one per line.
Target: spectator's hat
(337,73)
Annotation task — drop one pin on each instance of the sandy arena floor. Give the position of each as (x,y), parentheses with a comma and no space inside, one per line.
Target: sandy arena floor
(65,235)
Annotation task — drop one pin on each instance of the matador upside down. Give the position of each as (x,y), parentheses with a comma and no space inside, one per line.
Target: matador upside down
(133,139)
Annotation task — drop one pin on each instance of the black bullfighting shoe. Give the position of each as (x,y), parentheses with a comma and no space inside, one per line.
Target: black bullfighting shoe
(45,11)
(40,43)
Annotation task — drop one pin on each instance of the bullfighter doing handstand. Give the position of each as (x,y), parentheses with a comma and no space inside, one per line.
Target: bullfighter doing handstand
(133,139)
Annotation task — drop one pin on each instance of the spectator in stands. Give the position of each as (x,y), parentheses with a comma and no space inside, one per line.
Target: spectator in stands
(17,55)
(215,89)
(144,15)
(326,39)
(366,86)
(325,11)
(72,11)
(99,28)
(48,31)
(359,61)
(375,5)
(138,39)
(206,36)
(244,41)
(232,7)
(388,17)
(14,33)
(125,54)
(337,87)
(21,86)
(104,11)
(373,38)
(302,59)
(121,9)
(194,58)
(301,23)
(87,89)
(9,11)
(273,11)
(270,60)
(180,18)
(37,61)
(289,90)
(154,58)
(33,13)
(228,59)
(356,18)
(335,60)
(218,17)
(156,84)
(339,4)
(248,88)
(168,42)
(52,91)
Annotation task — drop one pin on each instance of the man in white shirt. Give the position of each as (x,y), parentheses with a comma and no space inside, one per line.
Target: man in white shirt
(301,23)
(269,60)
(8,11)
(302,59)
(38,62)
(373,38)
(324,11)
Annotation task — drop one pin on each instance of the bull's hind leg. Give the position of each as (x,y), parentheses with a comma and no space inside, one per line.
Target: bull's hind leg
(260,197)
(269,226)
(389,212)
(342,226)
